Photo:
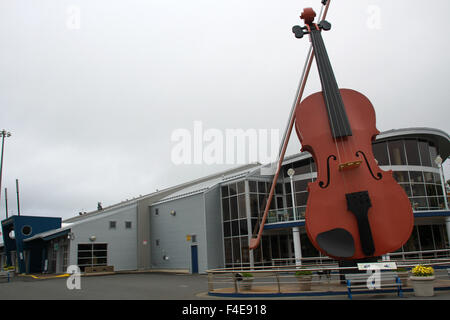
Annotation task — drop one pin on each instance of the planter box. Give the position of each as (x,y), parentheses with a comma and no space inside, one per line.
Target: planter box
(246,283)
(423,286)
(304,283)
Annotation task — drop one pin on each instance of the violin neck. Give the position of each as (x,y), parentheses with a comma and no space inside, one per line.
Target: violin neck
(340,126)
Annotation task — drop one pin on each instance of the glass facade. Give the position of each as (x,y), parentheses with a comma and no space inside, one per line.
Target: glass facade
(243,203)
(412,162)
(235,224)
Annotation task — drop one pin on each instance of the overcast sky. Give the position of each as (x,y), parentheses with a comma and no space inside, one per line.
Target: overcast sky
(93,90)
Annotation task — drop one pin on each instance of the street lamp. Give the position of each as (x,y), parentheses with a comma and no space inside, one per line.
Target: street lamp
(295,230)
(291,173)
(4,135)
(439,161)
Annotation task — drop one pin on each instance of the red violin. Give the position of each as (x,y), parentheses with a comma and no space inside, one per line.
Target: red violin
(354,210)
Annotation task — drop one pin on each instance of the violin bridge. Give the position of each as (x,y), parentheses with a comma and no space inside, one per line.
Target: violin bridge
(350,165)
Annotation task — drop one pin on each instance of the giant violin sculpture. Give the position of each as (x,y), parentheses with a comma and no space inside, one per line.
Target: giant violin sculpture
(354,209)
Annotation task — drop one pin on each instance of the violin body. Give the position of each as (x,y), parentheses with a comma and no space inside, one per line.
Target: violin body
(346,166)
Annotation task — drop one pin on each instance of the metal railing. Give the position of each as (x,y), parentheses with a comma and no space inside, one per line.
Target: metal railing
(314,273)
(286,214)
(423,256)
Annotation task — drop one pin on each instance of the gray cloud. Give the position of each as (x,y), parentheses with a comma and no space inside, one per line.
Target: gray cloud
(92,109)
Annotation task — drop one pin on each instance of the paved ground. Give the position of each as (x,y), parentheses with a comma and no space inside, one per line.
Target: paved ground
(145,286)
(150,286)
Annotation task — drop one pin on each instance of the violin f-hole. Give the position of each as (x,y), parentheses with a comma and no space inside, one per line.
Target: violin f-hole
(379,175)
(321,183)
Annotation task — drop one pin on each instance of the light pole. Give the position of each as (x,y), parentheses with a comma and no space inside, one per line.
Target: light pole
(295,230)
(291,173)
(4,135)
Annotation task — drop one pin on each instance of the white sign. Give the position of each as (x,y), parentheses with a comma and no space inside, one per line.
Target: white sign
(377,266)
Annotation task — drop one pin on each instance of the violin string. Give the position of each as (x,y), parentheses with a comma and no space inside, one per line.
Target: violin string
(331,95)
(325,92)
(347,143)
(340,119)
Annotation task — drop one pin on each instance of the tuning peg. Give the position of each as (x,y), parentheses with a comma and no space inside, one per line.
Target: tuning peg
(325,25)
(298,31)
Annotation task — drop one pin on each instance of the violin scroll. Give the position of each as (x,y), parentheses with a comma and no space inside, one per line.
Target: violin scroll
(308,16)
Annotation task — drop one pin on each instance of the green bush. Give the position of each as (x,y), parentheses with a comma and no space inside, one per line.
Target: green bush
(247,275)
(299,273)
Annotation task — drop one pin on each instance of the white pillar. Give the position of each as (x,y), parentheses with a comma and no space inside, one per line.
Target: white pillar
(297,245)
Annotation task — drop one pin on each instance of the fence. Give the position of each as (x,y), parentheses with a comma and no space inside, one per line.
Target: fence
(314,273)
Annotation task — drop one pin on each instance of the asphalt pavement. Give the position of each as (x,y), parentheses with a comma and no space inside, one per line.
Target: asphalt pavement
(148,286)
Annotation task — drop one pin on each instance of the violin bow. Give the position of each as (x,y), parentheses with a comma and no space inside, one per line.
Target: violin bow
(254,242)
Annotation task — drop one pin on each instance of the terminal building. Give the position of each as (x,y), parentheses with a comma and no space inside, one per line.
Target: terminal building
(208,223)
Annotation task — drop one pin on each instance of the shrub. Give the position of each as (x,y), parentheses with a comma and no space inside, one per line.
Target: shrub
(300,273)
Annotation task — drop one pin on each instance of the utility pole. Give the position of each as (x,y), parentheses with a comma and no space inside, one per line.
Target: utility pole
(6,202)
(18,201)
(4,134)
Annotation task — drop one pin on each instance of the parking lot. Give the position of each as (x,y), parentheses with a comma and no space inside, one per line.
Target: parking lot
(147,286)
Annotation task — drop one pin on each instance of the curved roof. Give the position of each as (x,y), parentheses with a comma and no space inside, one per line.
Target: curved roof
(440,138)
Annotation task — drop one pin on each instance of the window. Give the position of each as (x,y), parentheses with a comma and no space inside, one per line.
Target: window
(92,254)
(380,153)
(224,191)
(412,152)
(227,229)
(261,187)
(241,187)
(157,242)
(301,185)
(397,153)
(242,206)
(156,211)
(112,224)
(424,154)
(234,207)
(254,205)
(226,209)
(401,176)
(127,224)
(252,186)
(232,189)
(302,167)
(26,230)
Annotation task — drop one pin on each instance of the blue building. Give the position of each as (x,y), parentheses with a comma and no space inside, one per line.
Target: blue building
(28,258)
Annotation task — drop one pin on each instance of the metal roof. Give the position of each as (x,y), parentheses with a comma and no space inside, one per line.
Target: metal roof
(206,185)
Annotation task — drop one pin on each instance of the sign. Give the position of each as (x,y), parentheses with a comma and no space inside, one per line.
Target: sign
(377,266)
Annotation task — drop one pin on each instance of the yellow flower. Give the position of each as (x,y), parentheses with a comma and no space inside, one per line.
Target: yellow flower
(422,271)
